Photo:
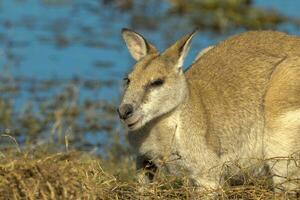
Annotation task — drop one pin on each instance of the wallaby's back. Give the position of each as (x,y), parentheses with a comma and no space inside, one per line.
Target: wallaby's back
(233,79)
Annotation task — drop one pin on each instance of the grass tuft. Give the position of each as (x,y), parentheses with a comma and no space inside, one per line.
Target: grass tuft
(76,175)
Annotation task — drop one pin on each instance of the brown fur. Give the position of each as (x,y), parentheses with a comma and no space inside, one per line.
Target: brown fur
(239,101)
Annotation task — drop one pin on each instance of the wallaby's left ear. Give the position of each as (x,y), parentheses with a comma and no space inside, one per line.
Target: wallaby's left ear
(137,44)
(179,50)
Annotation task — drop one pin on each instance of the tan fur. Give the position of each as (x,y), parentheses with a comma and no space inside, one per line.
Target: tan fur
(239,101)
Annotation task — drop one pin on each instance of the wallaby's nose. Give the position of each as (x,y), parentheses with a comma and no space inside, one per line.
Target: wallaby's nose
(125,111)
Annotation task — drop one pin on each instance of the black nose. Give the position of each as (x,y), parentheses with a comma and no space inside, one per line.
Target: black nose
(125,111)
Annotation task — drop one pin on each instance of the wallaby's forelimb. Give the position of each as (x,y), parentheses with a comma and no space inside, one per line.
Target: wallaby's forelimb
(146,170)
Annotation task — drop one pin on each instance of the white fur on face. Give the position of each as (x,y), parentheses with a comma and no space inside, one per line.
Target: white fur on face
(160,101)
(164,99)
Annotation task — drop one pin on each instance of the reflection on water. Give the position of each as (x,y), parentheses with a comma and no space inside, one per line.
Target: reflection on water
(61,61)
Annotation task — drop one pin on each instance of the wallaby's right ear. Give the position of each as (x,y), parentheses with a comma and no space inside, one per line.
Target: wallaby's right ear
(137,45)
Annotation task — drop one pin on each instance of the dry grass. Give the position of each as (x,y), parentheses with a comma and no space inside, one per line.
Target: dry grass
(80,176)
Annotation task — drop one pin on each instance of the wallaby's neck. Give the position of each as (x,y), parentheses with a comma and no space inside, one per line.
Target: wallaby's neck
(192,109)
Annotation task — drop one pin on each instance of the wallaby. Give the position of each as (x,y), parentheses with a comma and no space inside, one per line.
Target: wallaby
(202,52)
(238,102)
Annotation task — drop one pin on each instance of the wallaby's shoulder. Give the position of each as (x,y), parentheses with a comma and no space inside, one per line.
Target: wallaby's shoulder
(235,74)
(236,53)
(258,37)
(257,42)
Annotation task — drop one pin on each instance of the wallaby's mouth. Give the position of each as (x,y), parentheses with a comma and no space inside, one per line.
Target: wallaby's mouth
(133,122)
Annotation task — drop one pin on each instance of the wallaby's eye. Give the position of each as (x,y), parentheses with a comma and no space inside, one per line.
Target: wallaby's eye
(157,82)
(126,80)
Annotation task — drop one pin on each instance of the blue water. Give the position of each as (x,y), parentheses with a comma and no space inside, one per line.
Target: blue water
(79,38)
(44,41)
(35,27)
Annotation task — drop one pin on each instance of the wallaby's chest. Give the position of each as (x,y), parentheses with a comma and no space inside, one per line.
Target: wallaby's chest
(161,144)
(165,151)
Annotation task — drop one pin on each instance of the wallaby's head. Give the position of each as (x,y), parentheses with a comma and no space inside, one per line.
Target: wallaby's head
(156,85)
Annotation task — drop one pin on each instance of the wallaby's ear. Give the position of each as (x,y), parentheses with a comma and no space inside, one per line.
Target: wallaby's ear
(178,51)
(137,45)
